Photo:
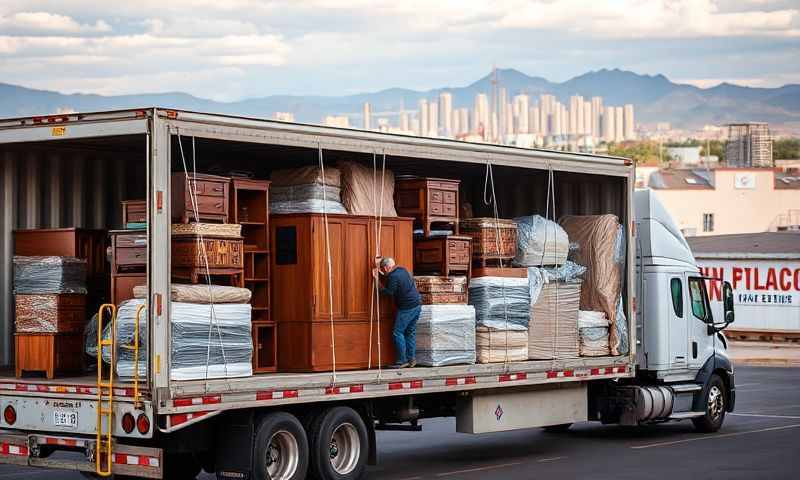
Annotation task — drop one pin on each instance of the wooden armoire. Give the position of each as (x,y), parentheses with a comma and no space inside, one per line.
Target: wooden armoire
(300,289)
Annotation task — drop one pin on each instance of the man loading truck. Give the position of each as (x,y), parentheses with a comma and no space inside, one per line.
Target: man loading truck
(400,285)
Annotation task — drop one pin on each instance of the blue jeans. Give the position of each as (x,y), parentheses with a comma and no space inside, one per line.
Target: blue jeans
(405,334)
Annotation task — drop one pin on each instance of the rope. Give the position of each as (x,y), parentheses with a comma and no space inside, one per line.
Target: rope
(328,255)
(192,187)
(378,217)
(551,199)
(489,181)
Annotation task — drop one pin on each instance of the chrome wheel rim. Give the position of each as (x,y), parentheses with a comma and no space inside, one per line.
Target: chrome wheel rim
(283,455)
(345,448)
(716,402)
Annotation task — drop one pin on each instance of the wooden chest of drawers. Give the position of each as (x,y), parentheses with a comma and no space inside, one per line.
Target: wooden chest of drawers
(134,212)
(50,313)
(50,353)
(443,255)
(429,201)
(211,194)
(224,255)
(128,263)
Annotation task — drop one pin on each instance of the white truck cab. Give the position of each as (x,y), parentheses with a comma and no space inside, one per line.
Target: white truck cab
(680,344)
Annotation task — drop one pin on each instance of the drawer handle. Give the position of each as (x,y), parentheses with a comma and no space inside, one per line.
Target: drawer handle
(219,205)
(218,189)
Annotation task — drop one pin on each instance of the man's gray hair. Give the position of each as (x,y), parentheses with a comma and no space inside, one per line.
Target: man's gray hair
(387,262)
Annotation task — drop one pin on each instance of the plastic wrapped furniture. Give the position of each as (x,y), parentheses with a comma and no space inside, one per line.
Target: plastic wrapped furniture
(493,345)
(600,242)
(446,335)
(50,313)
(49,275)
(500,302)
(593,331)
(305,176)
(208,341)
(307,206)
(190,293)
(307,198)
(554,322)
(362,189)
(540,242)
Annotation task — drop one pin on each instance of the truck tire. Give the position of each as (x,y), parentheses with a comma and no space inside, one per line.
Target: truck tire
(339,445)
(714,400)
(281,448)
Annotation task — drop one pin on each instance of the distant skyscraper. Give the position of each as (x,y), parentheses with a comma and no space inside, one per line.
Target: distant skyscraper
(597,115)
(557,119)
(608,124)
(433,119)
(367,115)
(404,124)
(587,118)
(533,121)
(575,115)
(619,125)
(509,124)
(522,107)
(446,112)
(482,115)
(464,114)
(628,121)
(422,117)
(455,124)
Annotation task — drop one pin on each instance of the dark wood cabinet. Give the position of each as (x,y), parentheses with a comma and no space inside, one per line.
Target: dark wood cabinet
(133,212)
(128,263)
(211,198)
(451,255)
(50,353)
(303,299)
(429,201)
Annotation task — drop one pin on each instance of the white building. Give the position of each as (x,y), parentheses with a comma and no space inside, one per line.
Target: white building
(609,124)
(422,117)
(597,115)
(619,124)
(433,120)
(629,123)
(446,113)
(367,116)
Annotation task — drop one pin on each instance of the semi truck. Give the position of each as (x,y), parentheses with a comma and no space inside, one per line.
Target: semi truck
(73,169)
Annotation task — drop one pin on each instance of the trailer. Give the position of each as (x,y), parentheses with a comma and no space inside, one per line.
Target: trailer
(71,170)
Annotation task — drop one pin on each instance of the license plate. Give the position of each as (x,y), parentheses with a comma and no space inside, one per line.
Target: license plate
(65,418)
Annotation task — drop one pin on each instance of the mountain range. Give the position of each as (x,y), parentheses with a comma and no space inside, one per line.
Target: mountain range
(656,99)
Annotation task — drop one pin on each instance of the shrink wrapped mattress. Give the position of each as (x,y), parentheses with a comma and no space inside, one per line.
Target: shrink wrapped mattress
(540,242)
(446,335)
(500,302)
(600,245)
(554,322)
(365,192)
(201,348)
(302,190)
(492,345)
(197,293)
(593,331)
(49,275)
(305,176)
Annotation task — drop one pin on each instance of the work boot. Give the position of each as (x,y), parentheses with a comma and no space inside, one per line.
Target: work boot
(398,365)
(412,363)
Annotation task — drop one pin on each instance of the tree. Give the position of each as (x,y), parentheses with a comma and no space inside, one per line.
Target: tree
(716,148)
(786,149)
(641,152)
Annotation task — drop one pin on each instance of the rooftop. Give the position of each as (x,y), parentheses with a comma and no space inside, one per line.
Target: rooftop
(680,179)
(786,244)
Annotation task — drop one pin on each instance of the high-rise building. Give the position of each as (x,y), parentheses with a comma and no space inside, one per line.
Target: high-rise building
(597,115)
(433,119)
(481,121)
(587,118)
(575,115)
(749,145)
(446,113)
(367,116)
(628,121)
(422,117)
(556,120)
(404,124)
(609,123)
(619,124)
(533,121)
(509,121)
(522,104)
(455,124)
(463,113)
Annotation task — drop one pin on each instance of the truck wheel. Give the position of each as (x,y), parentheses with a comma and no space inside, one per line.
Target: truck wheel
(339,445)
(281,448)
(714,400)
(561,428)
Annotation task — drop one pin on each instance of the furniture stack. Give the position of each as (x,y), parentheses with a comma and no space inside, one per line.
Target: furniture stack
(446,335)
(502,308)
(554,321)
(430,201)
(50,315)
(494,241)
(306,190)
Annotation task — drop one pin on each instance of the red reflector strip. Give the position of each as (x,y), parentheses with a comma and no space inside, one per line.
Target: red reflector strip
(595,371)
(177,419)
(450,382)
(67,442)
(10,449)
(140,460)
(276,395)
(345,389)
(205,400)
(510,377)
(621,369)
(609,370)
(405,385)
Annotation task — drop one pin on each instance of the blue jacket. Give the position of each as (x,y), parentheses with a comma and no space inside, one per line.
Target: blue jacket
(400,285)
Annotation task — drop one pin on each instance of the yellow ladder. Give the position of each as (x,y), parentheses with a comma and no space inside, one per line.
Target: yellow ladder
(105,394)
(137,402)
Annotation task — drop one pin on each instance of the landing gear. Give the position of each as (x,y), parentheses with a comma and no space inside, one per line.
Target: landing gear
(281,448)
(339,444)
(714,400)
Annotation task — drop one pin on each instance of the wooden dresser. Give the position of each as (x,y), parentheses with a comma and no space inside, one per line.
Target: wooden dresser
(450,255)
(134,212)
(428,201)
(212,198)
(301,303)
(128,263)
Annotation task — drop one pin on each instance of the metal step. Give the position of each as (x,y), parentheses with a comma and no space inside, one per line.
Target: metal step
(686,415)
(686,387)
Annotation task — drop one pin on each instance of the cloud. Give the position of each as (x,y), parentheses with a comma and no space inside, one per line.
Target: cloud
(44,22)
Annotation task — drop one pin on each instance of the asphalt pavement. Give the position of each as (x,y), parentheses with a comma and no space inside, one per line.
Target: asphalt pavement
(761,439)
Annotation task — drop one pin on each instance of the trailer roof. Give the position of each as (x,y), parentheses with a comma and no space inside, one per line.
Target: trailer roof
(66,119)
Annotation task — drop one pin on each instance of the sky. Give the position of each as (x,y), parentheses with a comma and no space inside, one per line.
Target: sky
(233,49)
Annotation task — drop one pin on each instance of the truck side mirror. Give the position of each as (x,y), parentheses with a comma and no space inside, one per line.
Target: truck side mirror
(727,302)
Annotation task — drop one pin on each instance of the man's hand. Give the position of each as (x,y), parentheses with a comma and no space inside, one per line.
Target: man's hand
(375,273)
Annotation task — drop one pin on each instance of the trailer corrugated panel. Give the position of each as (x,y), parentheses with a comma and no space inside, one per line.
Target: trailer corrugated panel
(61,186)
